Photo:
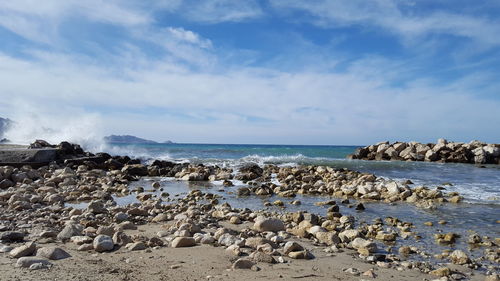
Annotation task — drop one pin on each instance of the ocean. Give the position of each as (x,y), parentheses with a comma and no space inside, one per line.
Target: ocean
(476,184)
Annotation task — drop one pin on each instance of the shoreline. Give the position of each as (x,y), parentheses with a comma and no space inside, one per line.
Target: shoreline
(199,219)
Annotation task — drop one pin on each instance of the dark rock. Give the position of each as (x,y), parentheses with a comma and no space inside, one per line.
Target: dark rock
(40,144)
(135,169)
(12,236)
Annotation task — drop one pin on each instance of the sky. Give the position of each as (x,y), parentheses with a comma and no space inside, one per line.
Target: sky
(252,71)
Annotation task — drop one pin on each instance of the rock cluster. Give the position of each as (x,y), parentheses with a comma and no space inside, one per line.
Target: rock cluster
(475,152)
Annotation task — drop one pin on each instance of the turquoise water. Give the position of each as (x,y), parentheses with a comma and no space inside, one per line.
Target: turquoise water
(476,184)
(233,151)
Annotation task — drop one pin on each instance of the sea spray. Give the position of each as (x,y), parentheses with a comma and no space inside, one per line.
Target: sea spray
(84,129)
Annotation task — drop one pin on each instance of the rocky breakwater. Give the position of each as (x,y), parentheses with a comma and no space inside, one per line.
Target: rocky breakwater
(474,152)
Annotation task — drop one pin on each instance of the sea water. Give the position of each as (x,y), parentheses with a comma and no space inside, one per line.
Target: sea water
(478,184)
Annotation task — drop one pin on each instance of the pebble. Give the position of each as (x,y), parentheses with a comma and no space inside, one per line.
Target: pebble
(137,246)
(258,256)
(352,271)
(292,246)
(86,247)
(301,255)
(369,273)
(5,248)
(39,265)
(440,272)
(243,263)
(459,257)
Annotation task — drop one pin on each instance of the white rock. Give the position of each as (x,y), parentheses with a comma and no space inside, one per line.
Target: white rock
(360,243)
(103,243)
(26,262)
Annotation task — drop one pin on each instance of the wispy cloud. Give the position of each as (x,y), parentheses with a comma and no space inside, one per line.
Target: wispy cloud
(40,21)
(216,11)
(396,17)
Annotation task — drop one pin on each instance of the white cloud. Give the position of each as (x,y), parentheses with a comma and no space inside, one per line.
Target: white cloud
(188,36)
(39,22)
(393,16)
(217,11)
(188,105)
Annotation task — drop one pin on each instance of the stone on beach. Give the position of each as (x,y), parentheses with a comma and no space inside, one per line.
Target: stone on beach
(305,254)
(70,230)
(440,272)
(103,243)
(26,262)
(258,256)
(292,246)
(137,246)
(363,244)
(52,253)
(268,224)
(243,263)
(27,249)
(12,236)
(180,242)
(328,238)
(459,257)
(348,235)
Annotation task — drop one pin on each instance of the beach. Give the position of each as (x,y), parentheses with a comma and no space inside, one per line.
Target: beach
(243,219)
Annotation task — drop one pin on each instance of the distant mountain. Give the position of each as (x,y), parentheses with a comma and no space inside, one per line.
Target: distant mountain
(4,124)
(127,139)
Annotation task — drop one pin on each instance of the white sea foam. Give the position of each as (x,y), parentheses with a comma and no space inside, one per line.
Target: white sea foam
(134,151)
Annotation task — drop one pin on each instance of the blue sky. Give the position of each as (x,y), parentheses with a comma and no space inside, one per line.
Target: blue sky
(253,71)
